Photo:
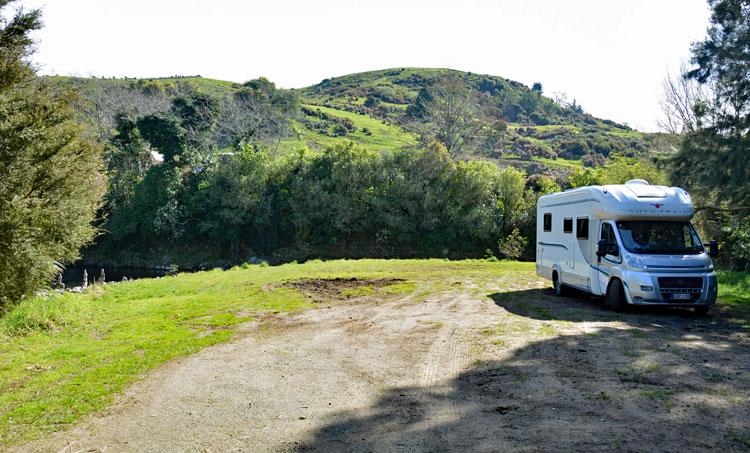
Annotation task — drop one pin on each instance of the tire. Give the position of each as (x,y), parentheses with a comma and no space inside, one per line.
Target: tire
(615,298)
(701,310)
(560,289)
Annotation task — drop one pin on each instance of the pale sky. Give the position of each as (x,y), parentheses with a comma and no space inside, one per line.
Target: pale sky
(611,56)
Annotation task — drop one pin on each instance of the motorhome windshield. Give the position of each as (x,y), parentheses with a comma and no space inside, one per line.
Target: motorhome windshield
(659,237)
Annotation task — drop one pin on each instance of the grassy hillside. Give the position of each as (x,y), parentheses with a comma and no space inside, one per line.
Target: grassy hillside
(167,85)
(374,109)
(554,134)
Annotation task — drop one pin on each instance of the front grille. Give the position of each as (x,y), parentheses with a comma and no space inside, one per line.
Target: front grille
(683,290)
(676,283)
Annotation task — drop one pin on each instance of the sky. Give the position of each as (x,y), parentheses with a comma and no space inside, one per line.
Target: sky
(610,56)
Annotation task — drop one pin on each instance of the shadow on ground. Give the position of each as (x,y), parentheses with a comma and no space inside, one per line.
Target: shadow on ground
(655,380)
(542,304)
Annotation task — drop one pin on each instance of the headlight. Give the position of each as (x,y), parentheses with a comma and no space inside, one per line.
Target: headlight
(635,262)
(710,265)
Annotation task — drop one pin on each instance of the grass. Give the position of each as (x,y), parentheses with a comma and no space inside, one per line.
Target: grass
(734,290)
(559,162)
(383,136)
(66,356)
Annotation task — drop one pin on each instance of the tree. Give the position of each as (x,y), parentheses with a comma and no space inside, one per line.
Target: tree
(617,170)
(371,102)
(537,87)
(723,59)
(198,114)
(718,153)
(419,108)
(249,120)
(128,159)
(51,183)
(512,245)
(165,133)
(714,159)
(687,105)
(450,112)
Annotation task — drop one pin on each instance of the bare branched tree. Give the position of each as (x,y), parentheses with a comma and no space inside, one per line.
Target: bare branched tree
(247,120)
(451,114)
(100,107)
(686,104)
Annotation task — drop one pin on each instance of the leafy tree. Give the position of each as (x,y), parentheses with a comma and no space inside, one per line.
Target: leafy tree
(512,245)
(371,102)
(198,114)
(261,88)
(165,133)
(510,199)
(418,109)
(719,154)
(128,159)
(617,170)
(50,175)
(537,87)
(714,160)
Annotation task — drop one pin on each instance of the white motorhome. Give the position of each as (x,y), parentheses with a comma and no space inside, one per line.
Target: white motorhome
(632,243)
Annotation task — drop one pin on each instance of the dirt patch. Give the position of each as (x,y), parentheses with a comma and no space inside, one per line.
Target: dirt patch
(332,289)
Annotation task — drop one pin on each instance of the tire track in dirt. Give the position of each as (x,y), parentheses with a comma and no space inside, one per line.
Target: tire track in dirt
(446,358)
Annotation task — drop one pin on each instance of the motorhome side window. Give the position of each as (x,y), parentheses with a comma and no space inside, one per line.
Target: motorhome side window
(568,225)
(582,228)
(548,222)
(608,234)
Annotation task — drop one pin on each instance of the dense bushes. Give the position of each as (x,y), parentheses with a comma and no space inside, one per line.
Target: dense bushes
(345,201)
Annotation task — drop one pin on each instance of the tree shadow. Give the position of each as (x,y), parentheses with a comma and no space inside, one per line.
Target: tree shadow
(663,381)
(542,304)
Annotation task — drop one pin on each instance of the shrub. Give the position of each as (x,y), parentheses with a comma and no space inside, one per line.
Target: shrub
(512,245)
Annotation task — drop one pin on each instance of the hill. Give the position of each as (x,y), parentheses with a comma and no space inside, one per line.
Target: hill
(379,109)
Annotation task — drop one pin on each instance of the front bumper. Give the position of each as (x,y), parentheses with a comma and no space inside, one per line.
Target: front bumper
(642,288)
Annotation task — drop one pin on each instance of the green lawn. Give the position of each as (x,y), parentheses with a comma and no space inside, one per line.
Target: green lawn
(66,356)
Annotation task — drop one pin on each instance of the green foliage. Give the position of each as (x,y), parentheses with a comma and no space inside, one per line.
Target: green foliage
(165,134)
(713,162)
(128,159)
(618,170)
(50,179)
(512,245)
(412,202)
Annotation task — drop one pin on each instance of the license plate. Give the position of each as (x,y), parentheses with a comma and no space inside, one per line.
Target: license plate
(682,296)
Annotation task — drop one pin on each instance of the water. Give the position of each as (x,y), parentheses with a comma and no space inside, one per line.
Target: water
(73,275)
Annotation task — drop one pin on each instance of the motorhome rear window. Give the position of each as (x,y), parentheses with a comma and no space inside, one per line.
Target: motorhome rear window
(568,225)
(548,222)
(582,228)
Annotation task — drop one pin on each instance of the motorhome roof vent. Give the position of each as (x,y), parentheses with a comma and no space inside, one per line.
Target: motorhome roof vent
(642,189)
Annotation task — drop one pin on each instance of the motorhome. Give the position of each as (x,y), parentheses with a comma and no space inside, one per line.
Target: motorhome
(631,243)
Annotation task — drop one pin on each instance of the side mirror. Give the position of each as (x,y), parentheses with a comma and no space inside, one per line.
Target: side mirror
(601,248)
(713,249)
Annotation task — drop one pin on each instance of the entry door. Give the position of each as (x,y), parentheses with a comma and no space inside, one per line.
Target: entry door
(613,256)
